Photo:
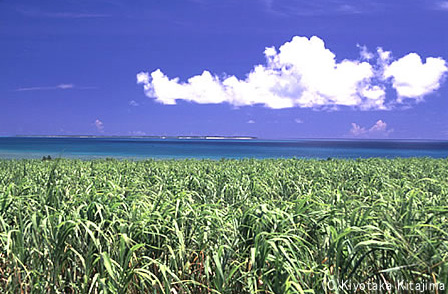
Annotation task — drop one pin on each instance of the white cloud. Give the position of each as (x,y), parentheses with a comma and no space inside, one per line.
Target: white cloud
(378,130)
(298,121)
(133,103)
(57,87)
(365,53)
(379,126)
(50,14)
(99,125)
(414,79)
(312,8)
(443,5)
(250,121)
(357,130)
(137,133)
(65,86)
(304,73)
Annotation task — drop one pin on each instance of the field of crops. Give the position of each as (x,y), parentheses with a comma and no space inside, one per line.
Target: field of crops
(229,226)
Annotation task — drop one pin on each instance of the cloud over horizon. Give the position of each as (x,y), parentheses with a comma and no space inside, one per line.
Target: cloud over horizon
(99,125)
(378,130)
(304,73)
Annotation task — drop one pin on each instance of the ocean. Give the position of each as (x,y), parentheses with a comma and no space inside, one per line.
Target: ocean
(141,148)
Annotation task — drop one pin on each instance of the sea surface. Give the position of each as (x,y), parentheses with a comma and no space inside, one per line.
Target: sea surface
(141,148)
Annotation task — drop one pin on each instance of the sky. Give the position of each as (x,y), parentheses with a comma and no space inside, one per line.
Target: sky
(273,69)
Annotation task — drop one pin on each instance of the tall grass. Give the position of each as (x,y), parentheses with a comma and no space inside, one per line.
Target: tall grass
(229,226)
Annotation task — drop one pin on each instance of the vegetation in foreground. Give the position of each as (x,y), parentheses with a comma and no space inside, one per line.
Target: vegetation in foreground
(229,226)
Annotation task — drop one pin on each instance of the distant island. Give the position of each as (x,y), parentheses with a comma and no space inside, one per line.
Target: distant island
(145,137)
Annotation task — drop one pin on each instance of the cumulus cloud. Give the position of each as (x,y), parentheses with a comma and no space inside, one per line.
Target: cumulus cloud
(365,53)
(99,125)
(412,78)
(304,73)
(250,121)
(378,130)
(357,130)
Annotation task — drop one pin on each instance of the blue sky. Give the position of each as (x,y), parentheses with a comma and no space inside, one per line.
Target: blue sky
(374,69)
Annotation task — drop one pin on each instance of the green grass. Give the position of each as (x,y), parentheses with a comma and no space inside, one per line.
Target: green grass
(229,226)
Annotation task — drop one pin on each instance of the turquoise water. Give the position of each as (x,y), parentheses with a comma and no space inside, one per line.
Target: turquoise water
(87,148)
